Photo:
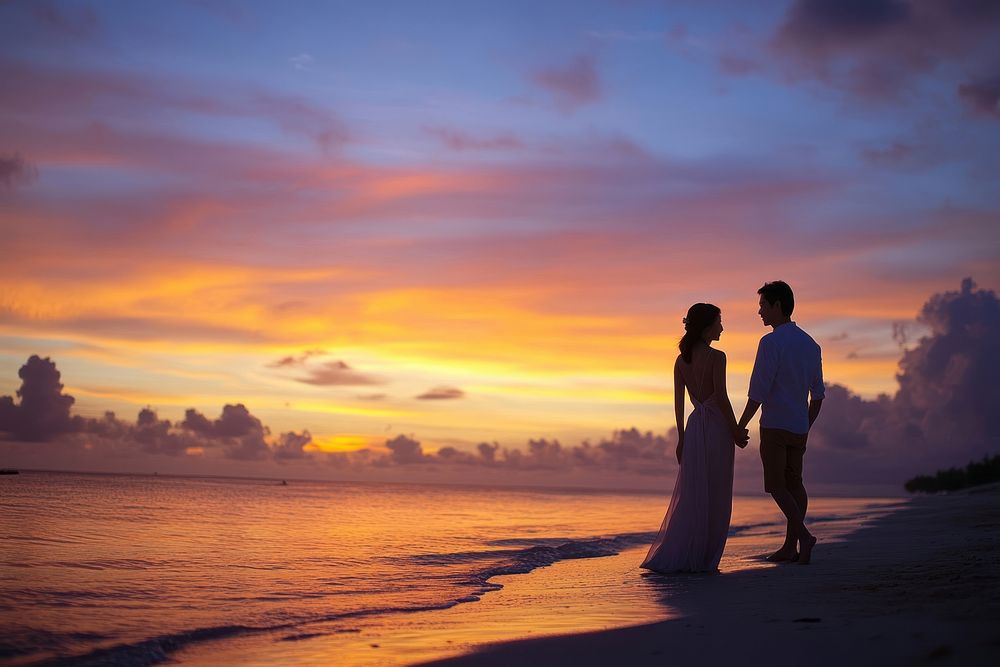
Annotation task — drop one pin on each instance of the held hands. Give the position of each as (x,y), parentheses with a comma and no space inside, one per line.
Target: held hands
(743,438)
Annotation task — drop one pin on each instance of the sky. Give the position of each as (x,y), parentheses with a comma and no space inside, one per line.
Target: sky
(465,224)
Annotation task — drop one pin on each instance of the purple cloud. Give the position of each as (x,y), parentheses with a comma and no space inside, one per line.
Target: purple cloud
(15,171)
(942,414)
(877,48)
(235,421)
(290,446)
(572,85)
(983,97)
(406,450)
(43,412)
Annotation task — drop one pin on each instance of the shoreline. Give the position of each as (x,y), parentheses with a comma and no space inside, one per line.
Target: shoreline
(575,596)
(914,586)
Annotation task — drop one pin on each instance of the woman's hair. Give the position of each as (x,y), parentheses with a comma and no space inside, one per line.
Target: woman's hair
(700,317)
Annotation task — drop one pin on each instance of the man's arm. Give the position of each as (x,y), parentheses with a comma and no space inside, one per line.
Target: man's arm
(817,390)
(765,367)
(815,406)
(750,410)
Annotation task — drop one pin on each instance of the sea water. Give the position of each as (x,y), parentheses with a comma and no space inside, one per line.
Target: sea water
(130,569)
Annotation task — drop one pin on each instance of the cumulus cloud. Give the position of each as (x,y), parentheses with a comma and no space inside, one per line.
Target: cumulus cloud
(337,373)
(44,411)
(43,415)
(291,446)
(242,436)
(571,85)
(442,393)
(406,450)
(155,436)
(15,171)
(235,421)
(943,412)
(877,48)
(627,450)
(488,451)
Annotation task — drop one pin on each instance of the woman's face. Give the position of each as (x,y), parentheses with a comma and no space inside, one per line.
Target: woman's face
(713,332)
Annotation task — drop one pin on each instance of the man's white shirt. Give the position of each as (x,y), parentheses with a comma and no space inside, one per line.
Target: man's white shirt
(788,369)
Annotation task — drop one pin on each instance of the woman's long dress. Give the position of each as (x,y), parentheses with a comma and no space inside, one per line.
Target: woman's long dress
(694,531)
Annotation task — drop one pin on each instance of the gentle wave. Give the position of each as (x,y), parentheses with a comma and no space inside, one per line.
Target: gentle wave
(541,553)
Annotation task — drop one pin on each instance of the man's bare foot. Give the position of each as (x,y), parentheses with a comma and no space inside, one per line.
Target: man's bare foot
(782,554)
(806,547)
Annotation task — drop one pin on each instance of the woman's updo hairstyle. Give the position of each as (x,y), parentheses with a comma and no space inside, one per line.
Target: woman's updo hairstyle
(700,317)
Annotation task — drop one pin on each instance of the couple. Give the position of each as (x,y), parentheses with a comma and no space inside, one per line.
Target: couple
(787,381)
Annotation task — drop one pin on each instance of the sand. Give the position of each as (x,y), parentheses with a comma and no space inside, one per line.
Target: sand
(920,585)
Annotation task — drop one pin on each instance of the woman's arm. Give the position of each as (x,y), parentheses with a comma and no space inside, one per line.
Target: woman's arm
(679,407)
(719,377)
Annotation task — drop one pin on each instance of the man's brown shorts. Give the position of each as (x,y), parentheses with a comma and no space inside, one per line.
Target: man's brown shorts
(781,452)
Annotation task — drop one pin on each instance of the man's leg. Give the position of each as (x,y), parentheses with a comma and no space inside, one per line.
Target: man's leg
(786,503)
(795,450)
(773,456)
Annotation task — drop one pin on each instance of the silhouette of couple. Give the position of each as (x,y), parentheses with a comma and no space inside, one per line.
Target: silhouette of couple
(787,381)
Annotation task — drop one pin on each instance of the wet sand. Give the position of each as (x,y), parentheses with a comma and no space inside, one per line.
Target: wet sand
(917,586)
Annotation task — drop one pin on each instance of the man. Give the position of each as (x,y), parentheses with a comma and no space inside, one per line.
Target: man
(787,373)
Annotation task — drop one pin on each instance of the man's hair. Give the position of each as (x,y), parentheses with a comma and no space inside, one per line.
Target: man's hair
(781,292)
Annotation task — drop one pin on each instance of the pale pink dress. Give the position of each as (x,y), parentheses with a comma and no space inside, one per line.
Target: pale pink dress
(694,531)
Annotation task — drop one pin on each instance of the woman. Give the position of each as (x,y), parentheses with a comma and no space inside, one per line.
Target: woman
(694,532)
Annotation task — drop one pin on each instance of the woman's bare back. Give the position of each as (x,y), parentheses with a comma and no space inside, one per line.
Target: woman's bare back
(698,376)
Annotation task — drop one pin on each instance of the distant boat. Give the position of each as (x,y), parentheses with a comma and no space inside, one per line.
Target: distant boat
(284,483)
(9,471)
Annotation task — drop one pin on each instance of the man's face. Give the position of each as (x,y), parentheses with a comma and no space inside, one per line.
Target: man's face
(768,313)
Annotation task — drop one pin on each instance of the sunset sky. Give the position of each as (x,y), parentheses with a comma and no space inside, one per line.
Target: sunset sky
(472,221)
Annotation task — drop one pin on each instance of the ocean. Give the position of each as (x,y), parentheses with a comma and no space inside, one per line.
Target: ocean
(129,569)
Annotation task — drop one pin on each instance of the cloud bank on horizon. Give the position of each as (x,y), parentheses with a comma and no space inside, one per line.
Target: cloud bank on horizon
(941,416)
(475,223)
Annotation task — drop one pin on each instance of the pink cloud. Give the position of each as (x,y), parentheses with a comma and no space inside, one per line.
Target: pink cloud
(43,92)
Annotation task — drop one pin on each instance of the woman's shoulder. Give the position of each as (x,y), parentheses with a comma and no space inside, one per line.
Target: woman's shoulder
(717,354)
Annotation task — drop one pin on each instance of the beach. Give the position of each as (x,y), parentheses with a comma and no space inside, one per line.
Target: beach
(318,573)
(916,586)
